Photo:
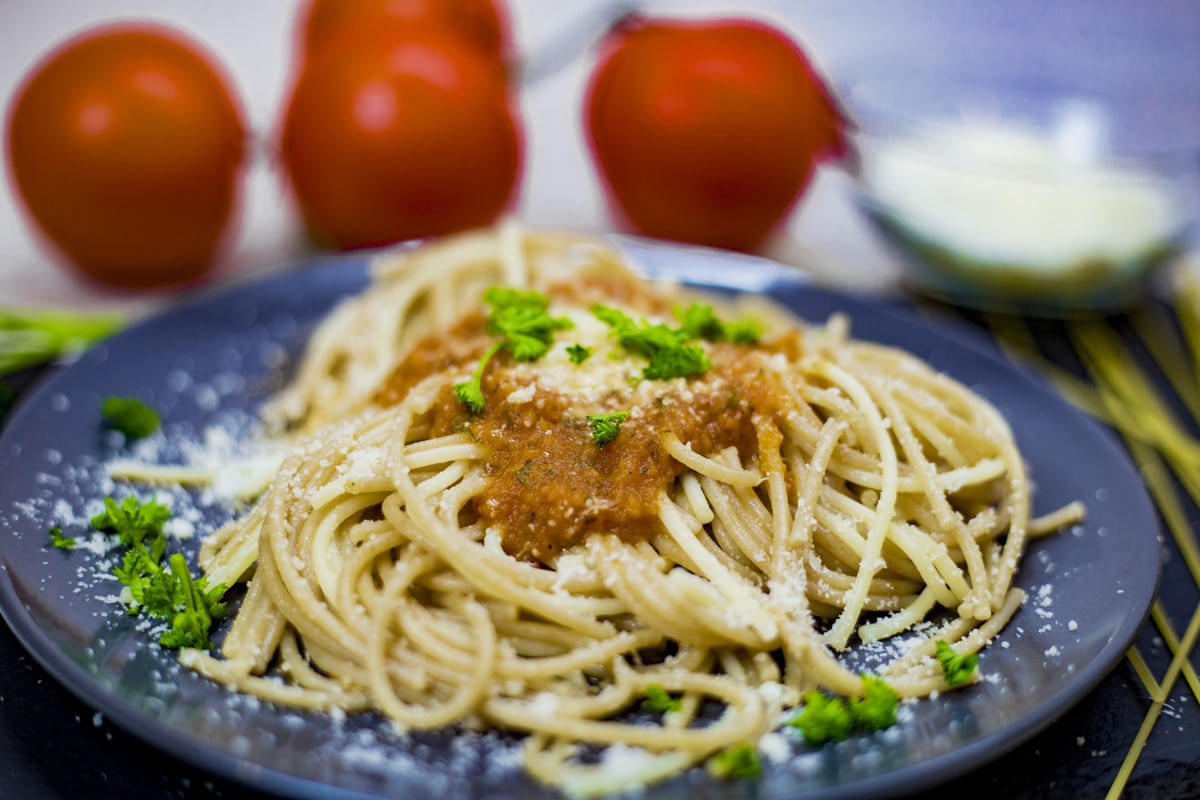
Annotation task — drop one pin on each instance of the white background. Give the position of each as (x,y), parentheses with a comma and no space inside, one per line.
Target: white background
(1131,46)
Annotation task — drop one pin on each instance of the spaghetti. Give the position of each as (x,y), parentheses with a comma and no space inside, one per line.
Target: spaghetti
(501,568)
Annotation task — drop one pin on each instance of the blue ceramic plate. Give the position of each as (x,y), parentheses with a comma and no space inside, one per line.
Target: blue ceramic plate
(210,363)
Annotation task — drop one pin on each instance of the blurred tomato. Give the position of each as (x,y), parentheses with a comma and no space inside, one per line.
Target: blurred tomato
(483,23)
(706,132)
(125,146)
(400,135)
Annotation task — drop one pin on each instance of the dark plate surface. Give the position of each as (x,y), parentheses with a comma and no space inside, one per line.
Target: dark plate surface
(210,363)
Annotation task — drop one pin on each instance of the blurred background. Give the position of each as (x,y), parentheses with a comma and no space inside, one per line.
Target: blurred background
(1135,49)
(1142,57)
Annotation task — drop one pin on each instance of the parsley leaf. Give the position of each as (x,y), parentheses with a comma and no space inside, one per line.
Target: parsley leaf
(957,669)
(578,353)
(643,338)
(135,523)
(169,593)
(699,321)
(677,362)
(135,572)
(657,699)
(57,539)
(876,709)
(189,605)
(525,329)
(130,416)
(606,426)
(470,392)
(826,718)
(667,349)
(744,331)
(521,319)
(738,761)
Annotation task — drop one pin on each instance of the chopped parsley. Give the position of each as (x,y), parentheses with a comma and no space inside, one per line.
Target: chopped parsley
(605,427)
(957,669)
(738,761)
(743,331)
(166,592)
(826,718)
(189,605)
(521,319)
(57,539)
(657,699)
(138,525)
(699,321)
(525,328)
(676,362)
(666,348)
(130,416)
(578,353)
(876,709)
(470,393)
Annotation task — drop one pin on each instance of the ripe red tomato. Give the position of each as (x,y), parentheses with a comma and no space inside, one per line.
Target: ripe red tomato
(483,23)
(706,132)
(401,135)
(125,145)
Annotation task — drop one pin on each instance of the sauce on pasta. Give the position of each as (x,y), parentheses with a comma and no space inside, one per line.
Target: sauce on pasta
(497,566)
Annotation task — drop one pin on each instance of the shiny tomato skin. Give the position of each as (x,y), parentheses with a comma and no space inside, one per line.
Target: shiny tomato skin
(482,23)
(399,136)
(125,145)
(706,131)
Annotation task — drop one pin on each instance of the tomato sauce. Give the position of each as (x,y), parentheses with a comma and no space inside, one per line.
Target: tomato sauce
(550,485)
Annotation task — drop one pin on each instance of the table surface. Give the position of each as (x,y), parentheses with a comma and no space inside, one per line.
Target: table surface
(1137,733)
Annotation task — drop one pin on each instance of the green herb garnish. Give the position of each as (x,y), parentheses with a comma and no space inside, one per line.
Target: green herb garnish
(165,592)
(470,392)
(666,348)
(738,761)
(676,362)
(525,328)
(876,709)
(605,427)
(657,699)
(188,605)
(138,525)
(578,353)
(57,539)
(826,718)
(744,331)
(957,669)
(699,321)
(130,416)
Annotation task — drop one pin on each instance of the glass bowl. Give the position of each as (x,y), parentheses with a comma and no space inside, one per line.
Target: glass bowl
(1048,203)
